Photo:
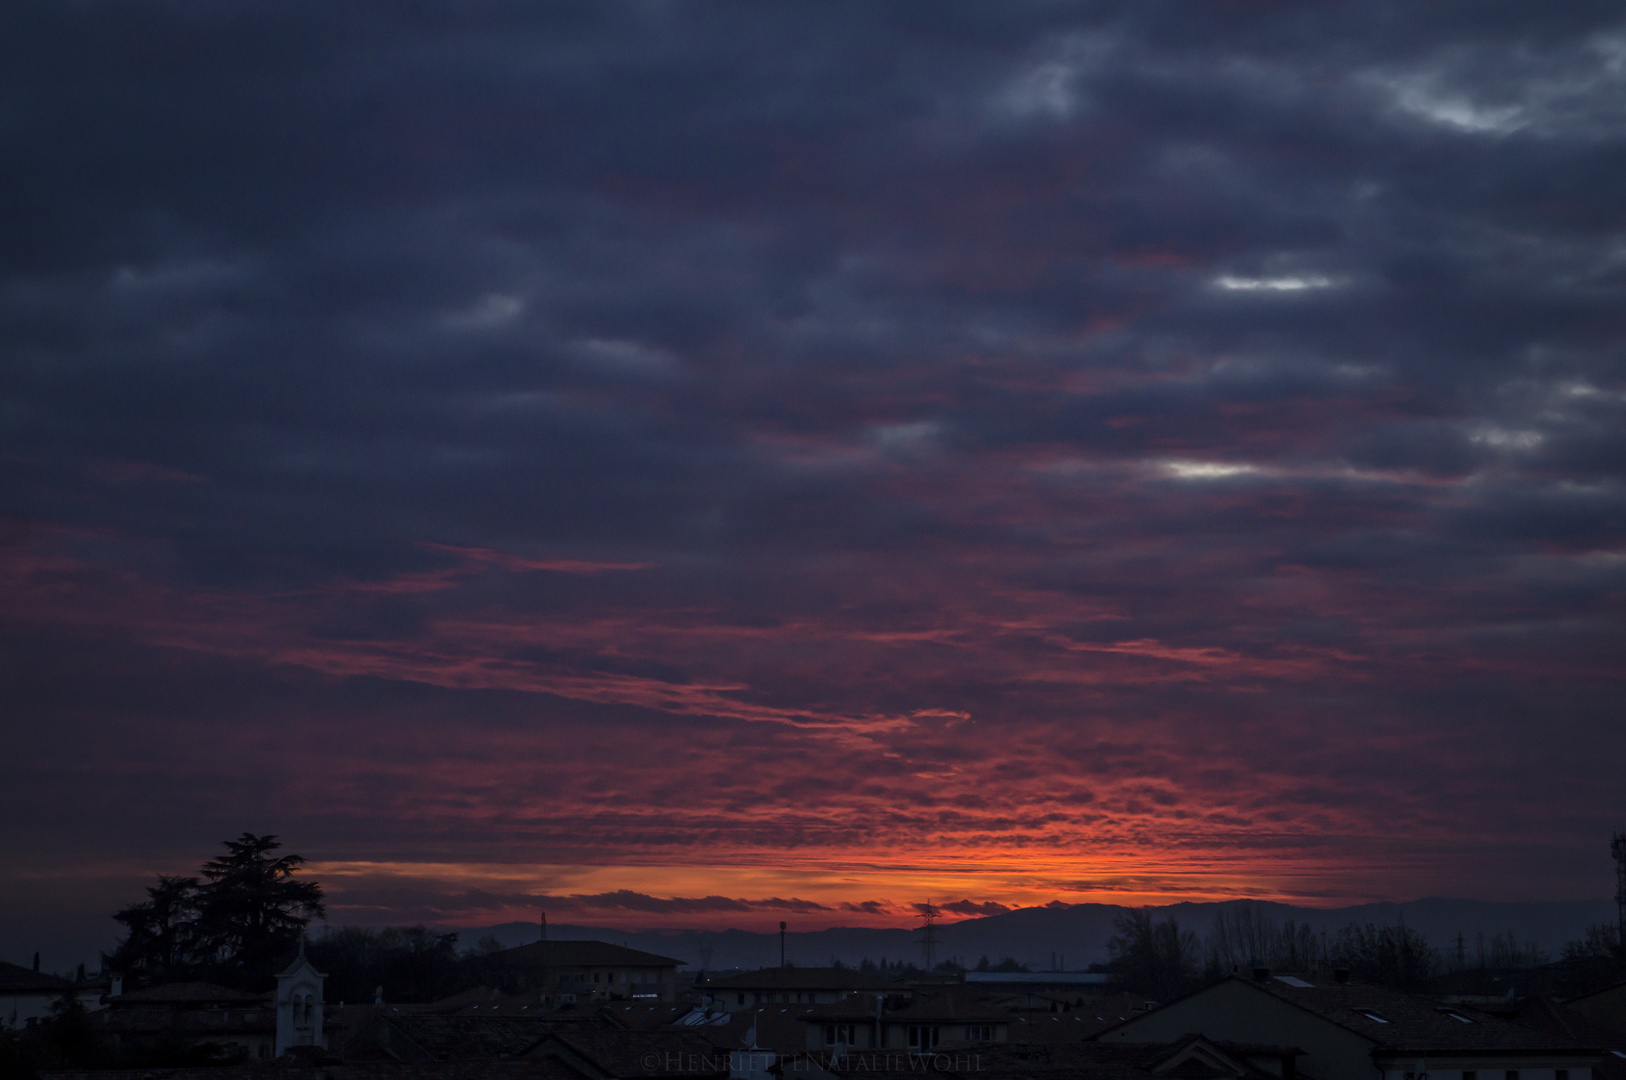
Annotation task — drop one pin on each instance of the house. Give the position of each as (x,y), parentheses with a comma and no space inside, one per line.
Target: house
(192,1016)
(1545,1014)
(949,1016)
(1357,1031)
(792,986)
(588,971)
(28,995)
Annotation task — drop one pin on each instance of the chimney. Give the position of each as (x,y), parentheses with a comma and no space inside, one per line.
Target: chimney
(1340,976)
(115,985)
(1261,973)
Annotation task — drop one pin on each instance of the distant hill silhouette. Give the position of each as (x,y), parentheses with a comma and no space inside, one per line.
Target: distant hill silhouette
(1078,932)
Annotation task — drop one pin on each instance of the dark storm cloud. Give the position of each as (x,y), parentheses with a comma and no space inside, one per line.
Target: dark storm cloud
(973,907)
(1013,425)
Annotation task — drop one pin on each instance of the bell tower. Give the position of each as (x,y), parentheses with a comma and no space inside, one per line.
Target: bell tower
(299,1004)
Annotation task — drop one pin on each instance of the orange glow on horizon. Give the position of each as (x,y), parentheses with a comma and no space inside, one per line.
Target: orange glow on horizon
(816,893)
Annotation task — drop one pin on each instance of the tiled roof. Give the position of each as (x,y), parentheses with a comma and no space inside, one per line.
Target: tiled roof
(1398,1022)
(1059,1027)
(1410,1022)
(446,1037)
(801,978)
(582,954)
(1545,1014)
(642,1017)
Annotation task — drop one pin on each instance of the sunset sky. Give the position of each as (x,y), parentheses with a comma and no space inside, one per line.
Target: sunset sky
(698,464)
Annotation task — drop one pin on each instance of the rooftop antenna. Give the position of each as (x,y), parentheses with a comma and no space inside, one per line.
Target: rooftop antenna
(1617,848)
(544,926)
(928,940)
(781,943)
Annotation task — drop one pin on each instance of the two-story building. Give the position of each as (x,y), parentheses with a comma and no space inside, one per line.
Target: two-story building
(949,1016)
(588,971)
(792,986)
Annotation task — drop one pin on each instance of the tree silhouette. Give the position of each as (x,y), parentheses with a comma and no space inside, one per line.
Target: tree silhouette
(161,943)
(232,924)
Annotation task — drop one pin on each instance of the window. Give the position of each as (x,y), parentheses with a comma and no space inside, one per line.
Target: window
(838,1033)
(742,998)
(1375,1018)
(1561,1074)
(980,1032)
(1512,1074)
(1469,1074)
(925,1038)
(595,976)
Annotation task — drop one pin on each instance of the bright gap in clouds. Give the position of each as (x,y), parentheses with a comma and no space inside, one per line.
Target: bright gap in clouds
(1289,283)
(1206,470)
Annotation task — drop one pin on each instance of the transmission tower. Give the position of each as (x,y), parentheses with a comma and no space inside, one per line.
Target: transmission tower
(928,937)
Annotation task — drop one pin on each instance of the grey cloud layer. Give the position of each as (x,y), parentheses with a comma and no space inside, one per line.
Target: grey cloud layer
(1258,327)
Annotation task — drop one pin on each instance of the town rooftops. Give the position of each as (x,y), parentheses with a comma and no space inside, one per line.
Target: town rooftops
(1393,1020)
(508,1069)
(16,979)
(583,954)
(843,980)
(596,1051)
